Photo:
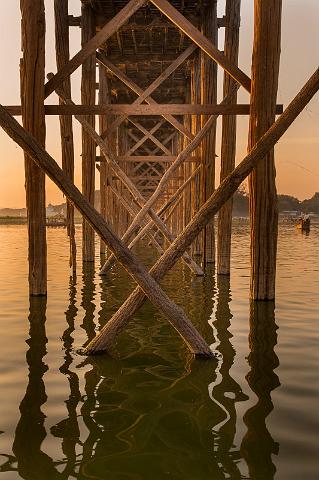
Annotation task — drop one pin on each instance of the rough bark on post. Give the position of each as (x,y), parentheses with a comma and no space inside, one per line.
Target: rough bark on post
(262,183)
(228,147)
(209,96)
(32,70)
(62,57)
(104,98)
(196,125)
(88,87)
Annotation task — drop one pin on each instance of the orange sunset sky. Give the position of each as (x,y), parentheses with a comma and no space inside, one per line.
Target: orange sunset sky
(297,154)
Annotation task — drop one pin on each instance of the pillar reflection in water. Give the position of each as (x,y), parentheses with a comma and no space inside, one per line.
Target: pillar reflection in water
(226,392)
(32,462)
(68,429)
(258,446)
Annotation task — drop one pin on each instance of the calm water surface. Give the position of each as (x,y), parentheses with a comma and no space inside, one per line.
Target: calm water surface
(152,411)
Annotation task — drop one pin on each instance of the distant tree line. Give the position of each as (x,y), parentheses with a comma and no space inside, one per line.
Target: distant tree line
(285,203)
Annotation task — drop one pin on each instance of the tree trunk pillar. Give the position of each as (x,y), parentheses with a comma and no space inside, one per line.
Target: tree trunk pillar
(66,128)
(228,147)
(209,96)
(262,184)
(88,89)
(32,72)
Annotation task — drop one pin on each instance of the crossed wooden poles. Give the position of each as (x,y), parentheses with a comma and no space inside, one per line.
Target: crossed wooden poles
(148,281)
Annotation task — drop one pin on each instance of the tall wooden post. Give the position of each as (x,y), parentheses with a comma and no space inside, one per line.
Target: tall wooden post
(62,57)
(32,70)
(228,147)
(195,123)
(262,183)
(209,96)
(104,98)
(88,145)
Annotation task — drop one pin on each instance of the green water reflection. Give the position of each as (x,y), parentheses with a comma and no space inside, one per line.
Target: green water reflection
(154,412)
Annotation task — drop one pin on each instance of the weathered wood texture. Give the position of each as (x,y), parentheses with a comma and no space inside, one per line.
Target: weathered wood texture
(262,182)
(88,145)
(209,96)
(204,43)
(93,44)
(167,307)
(152,109)
(107,336)
(228,143)
(104,98)
(106,149)
(67,145)
(32,70)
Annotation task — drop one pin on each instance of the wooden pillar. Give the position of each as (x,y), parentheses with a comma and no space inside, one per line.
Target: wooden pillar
(67,144)
(104,98)
(32,70)
(262,184)
(209,96)
(195,122)
(88,145)
(228,147)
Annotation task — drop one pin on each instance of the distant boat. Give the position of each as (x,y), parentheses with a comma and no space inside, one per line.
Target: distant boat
(56,221)
(304,223)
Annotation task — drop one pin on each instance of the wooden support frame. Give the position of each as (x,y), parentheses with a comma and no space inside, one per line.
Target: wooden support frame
(194,34)
(110,157)
(92,45)
(146,209)
(157,296)
(108,334)
(145,95)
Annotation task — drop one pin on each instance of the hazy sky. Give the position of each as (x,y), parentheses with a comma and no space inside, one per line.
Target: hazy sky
(297,154)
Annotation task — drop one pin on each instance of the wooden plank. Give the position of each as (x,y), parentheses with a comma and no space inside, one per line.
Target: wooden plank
(130,262)
(32,73)
(106,338)
(92,45)
(141,110)
(194,34)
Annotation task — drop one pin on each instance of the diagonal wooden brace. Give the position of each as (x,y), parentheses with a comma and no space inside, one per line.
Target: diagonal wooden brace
(130,262)
(224,192)
(206,45)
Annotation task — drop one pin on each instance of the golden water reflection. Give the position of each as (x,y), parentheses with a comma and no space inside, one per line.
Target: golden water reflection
(156,409)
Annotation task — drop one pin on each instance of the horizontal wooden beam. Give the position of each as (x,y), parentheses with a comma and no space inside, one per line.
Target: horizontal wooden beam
(149,158)
(141,110)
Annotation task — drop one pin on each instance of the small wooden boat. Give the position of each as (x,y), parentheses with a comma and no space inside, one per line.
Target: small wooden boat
(56,221)
(304,224)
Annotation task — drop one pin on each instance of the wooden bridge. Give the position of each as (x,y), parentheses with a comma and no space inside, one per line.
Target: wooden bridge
(153,144)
